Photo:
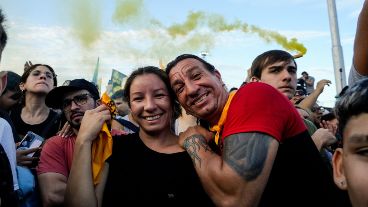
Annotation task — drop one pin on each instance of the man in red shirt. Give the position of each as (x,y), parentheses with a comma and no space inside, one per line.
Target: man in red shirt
(267,158)
(74,98)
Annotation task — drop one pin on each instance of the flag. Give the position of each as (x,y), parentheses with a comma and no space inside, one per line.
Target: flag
(95,74)
(117,80)
(102,146)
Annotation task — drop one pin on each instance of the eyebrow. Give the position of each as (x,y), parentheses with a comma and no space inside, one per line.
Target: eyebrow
(190,70)
(358,138)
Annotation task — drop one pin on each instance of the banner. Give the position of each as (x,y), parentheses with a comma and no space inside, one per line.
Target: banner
(116,80)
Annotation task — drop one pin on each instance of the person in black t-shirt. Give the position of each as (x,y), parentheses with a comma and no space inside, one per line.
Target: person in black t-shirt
(147,168)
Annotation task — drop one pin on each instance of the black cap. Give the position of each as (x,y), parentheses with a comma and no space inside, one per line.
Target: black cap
(342,92)
(54,98)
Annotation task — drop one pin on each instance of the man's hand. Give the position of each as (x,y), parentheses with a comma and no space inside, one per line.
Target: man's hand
(66,131)
(321,84)
(329,125)
(323,138)
(92,123)
(195,130)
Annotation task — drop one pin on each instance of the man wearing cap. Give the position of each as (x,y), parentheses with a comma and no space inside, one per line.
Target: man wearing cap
(74,98)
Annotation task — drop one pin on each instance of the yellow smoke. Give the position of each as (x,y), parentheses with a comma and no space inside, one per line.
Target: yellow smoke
(166,40)
(190,24)
(217,23)
(126,10)
(86,21)
(267,35)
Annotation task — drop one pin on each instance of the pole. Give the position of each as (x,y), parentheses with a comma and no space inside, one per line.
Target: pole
(337,55)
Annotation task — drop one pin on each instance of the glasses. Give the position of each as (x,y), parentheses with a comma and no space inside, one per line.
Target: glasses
(78,100)
(48,75)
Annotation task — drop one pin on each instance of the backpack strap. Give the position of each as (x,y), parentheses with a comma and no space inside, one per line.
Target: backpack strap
(128,124)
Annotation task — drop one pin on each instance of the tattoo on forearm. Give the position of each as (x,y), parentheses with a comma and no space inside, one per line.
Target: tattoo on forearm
(246,153)
(193,145)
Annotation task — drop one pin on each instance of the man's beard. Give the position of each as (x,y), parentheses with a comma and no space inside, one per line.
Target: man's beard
(74,126)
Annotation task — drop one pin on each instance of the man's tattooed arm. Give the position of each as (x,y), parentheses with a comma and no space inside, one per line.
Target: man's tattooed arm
(246,153)
(193,145)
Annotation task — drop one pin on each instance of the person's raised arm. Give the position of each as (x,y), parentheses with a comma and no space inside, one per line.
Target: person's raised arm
(80,190)
(239,177)
(360,57)
(309,101)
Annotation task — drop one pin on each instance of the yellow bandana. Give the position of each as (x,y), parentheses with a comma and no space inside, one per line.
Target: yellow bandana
(218,127)
(102,146)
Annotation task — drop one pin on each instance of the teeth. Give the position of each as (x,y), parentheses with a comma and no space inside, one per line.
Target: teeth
(150,118)
(201,99)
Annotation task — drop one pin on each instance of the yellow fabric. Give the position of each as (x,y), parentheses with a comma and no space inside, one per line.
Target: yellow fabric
(102,146)
(218,127)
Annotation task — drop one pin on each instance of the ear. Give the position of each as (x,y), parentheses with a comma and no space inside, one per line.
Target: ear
(338,169)
(21,86)
(254,79)
(3,80)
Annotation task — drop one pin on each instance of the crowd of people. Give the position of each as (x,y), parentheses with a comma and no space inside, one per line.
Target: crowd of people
(181,138)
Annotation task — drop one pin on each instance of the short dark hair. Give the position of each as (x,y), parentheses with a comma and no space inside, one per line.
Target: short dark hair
(164,78)
(32,67)
(172,64)
(12,83)
(352,103)
(304,72)
(118,94)
(267,58)
(3,35)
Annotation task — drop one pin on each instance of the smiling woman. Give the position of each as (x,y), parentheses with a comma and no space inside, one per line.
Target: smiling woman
(147,168)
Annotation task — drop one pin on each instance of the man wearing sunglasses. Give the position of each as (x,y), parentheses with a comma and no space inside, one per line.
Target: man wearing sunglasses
(73,98)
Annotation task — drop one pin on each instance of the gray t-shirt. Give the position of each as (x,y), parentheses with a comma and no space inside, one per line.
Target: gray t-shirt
(354,76)
(309,88)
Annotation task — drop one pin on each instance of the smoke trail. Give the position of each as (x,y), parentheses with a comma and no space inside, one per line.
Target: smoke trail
(127,10)
(218,23)
(190,24)
(268,36)
(86,21)
(162,41)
